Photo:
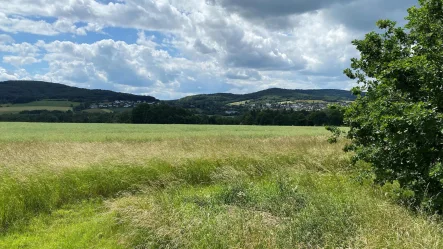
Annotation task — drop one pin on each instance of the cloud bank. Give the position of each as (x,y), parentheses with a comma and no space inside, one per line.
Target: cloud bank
(173,48)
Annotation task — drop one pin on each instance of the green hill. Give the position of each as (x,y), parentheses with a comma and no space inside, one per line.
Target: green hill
(215,103)
(16,96)
(329,95)
(272,94)
(29,91)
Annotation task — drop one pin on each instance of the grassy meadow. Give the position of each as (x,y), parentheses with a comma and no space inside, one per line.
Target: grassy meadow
(17,109)
(191,186)
(49,105)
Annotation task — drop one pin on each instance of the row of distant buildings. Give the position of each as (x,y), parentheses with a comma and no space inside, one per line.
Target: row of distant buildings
(117,104)
(296,106)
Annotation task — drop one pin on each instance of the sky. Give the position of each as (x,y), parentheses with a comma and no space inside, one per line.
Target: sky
(174,48)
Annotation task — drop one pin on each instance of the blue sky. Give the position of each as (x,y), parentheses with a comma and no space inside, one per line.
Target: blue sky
(174,48)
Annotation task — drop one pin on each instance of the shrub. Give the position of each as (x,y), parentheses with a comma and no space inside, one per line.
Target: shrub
(397,125)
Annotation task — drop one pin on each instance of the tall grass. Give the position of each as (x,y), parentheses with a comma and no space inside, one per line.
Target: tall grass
(296,211)
(40,177)
(193,187)
(21,132)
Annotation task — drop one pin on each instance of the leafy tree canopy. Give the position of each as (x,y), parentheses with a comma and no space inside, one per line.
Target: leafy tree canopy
(397,126)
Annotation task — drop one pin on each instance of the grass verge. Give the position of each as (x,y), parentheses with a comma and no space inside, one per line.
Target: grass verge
(295,211)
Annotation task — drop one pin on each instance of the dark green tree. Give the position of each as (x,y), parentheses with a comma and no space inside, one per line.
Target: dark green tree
(397,125)
(334,115)
(317,118)
(141,114)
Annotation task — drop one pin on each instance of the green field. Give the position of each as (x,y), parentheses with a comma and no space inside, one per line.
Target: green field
(98,111)
(17,109)
(239,103)
(41,132)
(50,105)
(189,186)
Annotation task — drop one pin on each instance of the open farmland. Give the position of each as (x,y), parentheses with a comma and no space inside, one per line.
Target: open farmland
(186,186)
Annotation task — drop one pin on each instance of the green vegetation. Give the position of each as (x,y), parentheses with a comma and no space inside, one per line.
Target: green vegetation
(89,133)
(238,103)
(402,134)
(48,102)
(83,225)
(189,186)
(97,111)
(165,114)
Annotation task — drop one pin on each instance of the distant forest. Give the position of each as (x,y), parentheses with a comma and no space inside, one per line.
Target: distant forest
(16,92)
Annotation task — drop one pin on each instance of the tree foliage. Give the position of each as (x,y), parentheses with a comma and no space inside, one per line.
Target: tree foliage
(161,114)
(165,114)
(397,125)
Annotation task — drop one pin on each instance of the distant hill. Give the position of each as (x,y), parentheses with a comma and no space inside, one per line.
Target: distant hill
(28,91)
(35,93)
(269,95)
(222,103)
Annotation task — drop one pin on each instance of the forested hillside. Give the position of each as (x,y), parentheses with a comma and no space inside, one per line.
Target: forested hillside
(272,94)
(28,91)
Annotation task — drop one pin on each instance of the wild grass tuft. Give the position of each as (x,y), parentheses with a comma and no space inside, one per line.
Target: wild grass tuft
(300,211)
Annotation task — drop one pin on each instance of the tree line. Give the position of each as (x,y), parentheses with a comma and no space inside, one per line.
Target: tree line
(166,114)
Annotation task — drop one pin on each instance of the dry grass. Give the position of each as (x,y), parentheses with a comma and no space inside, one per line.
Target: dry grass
(21,157)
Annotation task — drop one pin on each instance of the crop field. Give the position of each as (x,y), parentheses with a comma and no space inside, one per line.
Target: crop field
(191,186)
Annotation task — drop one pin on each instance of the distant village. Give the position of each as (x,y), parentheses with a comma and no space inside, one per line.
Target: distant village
(295,106)
(118,104)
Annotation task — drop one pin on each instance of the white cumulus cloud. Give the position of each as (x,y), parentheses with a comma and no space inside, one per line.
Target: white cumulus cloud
(188,47)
